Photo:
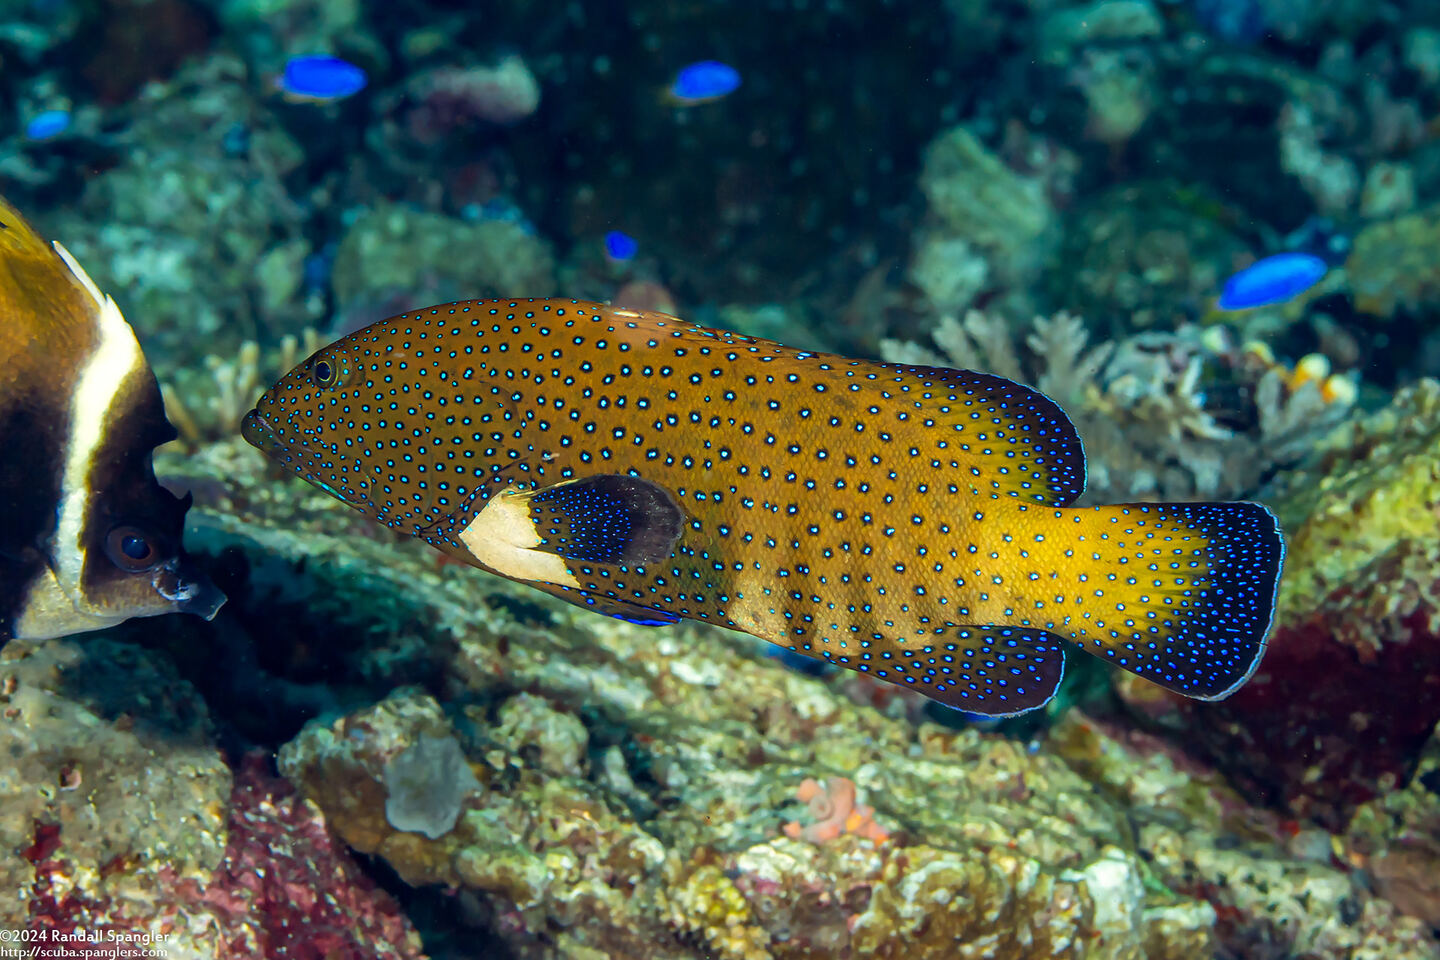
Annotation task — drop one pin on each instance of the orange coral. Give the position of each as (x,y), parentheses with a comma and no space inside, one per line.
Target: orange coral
(835,812)
(1311,368)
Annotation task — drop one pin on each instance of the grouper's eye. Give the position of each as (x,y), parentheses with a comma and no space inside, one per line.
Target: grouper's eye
(324,373)
(131,548)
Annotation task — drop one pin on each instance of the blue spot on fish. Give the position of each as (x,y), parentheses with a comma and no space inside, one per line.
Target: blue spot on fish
(49,124)
(620,246)
(322,78)
(1272,280)
(704,81)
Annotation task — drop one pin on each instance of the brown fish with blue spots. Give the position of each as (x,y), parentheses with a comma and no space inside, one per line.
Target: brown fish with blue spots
(912,523)
(88,538)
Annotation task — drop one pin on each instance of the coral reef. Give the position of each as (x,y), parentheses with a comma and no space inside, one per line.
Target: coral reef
(835,812)
(1346,696)
(635,788)
(136,832)
(394,247)
(444,98)
(1394,838)
(73,796)
(1143,257)
(1275,888)
(990,226)
(194,230)
(579,788)
(284,890)
(1394,265)
(209,403)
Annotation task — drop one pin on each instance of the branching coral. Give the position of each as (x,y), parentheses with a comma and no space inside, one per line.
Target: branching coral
(1163,415)
(208,404)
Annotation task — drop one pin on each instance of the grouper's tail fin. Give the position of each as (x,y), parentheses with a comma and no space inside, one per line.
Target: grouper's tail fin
(1181,594)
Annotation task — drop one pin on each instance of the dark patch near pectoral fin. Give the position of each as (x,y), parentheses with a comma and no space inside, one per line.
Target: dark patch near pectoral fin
(996,671)
(612,519)
(610,606)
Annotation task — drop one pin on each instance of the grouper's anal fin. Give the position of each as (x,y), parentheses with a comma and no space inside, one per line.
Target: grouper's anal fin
(992,670)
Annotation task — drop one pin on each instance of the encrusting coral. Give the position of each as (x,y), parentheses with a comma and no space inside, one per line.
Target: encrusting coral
(836,813)
(635,786)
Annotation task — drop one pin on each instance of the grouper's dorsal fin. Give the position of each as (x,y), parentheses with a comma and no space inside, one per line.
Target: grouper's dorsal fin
(1005,439)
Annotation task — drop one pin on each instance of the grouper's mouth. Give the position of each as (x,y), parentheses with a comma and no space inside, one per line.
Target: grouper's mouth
(258,432)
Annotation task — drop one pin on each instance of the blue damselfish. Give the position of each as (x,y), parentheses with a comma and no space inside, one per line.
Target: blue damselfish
(322,78)
(620,246)
(48,124)
(1274,279)
(704,81)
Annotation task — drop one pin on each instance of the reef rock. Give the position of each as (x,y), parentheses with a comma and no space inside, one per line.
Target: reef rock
(640,790)
(1349,691)
(120,821)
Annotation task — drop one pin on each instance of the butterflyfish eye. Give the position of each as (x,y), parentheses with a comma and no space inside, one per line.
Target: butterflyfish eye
(324,373)
(130,549)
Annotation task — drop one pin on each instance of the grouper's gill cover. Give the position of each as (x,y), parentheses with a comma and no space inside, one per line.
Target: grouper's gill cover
(913,523)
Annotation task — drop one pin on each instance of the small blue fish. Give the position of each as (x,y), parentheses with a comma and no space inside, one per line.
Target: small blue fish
(1274,279)
(321,79)
(620,246)
(46,125)
(704,81)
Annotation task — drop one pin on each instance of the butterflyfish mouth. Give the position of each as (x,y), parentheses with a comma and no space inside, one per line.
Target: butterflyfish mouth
(256,431)
(199,596)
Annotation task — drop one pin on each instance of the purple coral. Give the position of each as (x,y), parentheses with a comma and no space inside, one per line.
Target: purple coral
(286,890)
(445,98)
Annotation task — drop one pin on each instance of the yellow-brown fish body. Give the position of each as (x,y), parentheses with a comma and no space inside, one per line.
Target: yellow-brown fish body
(909,522)
(89,537)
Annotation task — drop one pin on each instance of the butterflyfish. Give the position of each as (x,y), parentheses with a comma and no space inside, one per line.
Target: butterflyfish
(913,523)
(88,537)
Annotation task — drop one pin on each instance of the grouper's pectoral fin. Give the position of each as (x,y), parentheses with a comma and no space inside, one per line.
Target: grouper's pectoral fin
(611,519)
(996,671)
(550,534)
(572,539)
